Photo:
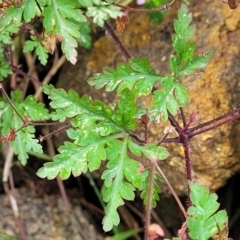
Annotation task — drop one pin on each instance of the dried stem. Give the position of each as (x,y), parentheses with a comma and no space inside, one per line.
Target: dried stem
(56,65)
(59,181)
(22,73)
(172,191)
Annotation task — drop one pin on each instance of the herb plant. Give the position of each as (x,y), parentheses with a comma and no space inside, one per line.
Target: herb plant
(101,132)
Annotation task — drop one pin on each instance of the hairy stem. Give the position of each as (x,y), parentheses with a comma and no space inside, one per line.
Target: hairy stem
(149,198)
(117,41)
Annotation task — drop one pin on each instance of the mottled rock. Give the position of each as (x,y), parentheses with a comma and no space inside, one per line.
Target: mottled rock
(47,218)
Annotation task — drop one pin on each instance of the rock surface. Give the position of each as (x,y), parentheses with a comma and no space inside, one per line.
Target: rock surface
(47,219)
(213,92)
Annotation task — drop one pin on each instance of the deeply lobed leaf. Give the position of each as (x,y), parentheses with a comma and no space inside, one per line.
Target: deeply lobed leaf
(184,62)
(57,21)
(136,76)
(203,221)
(117,188)
(170,98)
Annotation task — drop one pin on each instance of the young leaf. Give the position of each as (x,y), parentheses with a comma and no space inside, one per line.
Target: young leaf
(102,11)
(203,222)
(136,76)
(170,98)
(5,69)
(125,111)
(25,139)
(184,62)
(41,52)
(150,150)
(7,30)
(145,185)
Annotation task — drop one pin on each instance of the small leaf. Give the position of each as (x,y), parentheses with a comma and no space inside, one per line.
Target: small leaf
(184,62)
(41,52)
(170,98)
(30,10)
(57,21)
(102,12)
(195,63)
(5,70)
(203,221)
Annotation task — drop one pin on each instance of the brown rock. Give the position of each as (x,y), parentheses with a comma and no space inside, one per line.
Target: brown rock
(213,92)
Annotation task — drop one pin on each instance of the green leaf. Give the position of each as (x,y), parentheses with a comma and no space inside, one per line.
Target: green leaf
(102,11)
(5,70)
(125,235)
(203,221)
(75,159)
(126,109)
(145,188)
(41,52)
(14,15)
(25,139)
(42,2)
(86,3)
(58,21)
(30,10)
(7,30)
(116,187)
(195,63)
(184,62)
(156,17)
(92,114)
(85,36)
(34,110)
(136,76)
(150,150)
(170,98)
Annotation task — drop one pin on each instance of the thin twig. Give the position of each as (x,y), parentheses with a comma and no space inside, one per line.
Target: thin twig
(22,73)
(213,121)
(172,191)
(59,181)
(149,198)
(174,123)
(49,135)
(117,41)
(213,125)
(7,175)
(183,117)
(10,102)
(30,59)
(56,65)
